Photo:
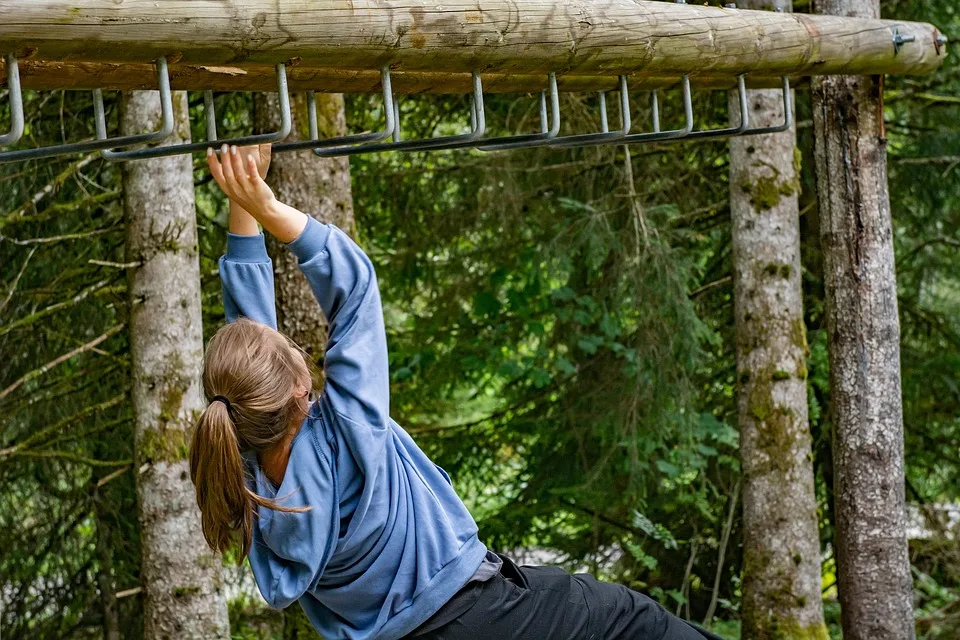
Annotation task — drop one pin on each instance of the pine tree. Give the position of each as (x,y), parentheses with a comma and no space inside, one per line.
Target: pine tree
(864,337)
(781,587)
(179,574)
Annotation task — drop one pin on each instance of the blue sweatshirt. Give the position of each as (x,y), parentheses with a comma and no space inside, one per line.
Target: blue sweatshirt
(386,541)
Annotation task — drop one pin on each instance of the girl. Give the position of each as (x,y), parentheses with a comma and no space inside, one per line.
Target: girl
(333,502)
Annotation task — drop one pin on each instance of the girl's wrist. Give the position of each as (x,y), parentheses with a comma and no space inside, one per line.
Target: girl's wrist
(283,221)
(241,222)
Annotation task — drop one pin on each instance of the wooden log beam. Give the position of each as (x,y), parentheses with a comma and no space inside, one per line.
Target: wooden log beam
(43,75)
(603,37)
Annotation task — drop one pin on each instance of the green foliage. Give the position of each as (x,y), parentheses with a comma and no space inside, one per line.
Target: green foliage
(561,341)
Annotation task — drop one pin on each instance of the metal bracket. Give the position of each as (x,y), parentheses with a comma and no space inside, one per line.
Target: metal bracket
(199,147)
(477,129)
(16,103)
(900,39)
(728,132)
(549,125)
(166,128)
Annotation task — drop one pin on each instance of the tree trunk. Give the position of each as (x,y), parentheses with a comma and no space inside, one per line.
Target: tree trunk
(864,342)
(180,575)
(320,187)
(781,581)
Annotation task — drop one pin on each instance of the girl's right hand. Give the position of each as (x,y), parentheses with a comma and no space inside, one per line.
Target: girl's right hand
(240,176)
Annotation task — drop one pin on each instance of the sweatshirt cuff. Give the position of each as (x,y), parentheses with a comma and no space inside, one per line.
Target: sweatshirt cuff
(311,241)
(246,248)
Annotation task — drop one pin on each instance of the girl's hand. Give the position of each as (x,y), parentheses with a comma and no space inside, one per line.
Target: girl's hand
(240,174)
(262,154)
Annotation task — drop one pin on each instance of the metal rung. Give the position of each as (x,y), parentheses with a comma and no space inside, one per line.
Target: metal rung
(166,128)
(315,142)
(549,125)
(728,132)
(787,114)
(200,147)
(605,135)
(657,135)
(16,103)
(478,127)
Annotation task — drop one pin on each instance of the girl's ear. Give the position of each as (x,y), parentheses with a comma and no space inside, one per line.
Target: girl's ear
(300,391)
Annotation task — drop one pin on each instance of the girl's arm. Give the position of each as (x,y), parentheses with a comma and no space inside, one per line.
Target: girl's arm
(356,366)
(246,273)
(345,285)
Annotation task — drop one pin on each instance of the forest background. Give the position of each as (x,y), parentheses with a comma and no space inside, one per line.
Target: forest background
(561,334)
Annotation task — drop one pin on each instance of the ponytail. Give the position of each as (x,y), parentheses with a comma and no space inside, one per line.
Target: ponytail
(227,505)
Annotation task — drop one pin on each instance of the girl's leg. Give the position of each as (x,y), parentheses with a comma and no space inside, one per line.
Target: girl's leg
(547,603)
(619,612)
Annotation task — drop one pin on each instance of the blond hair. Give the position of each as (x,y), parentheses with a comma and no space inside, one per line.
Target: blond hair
(258,371)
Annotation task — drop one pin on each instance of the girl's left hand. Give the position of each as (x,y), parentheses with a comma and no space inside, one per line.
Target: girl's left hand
(238,173)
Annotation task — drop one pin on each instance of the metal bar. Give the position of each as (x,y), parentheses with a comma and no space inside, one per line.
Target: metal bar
(527,140)
(787,114)
(210,111)
(675,134)
(728,132)
(430,144)
(200,147)
(102,142)
(585,139)
(315,142)
(657,135)
(16,103)
(604,123)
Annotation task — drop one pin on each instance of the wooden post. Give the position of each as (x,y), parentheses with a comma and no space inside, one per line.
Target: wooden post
(518,36)
(864,340)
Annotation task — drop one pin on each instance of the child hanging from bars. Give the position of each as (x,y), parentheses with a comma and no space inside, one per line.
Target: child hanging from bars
(334,503)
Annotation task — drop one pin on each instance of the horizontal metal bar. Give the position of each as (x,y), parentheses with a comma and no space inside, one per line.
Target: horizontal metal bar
(102,142)
(315,142)
(200,147)
(431,144)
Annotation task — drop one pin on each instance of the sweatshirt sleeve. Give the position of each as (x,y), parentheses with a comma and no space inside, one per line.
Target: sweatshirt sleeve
(301,544)
(246,276)
(344,283)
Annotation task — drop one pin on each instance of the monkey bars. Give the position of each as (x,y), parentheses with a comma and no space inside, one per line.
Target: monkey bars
(603,37)
(450,47)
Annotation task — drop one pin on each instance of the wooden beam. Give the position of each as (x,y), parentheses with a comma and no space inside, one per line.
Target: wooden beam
(43,75)
(603,37)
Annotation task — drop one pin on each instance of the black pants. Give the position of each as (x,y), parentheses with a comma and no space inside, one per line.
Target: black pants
(547,603)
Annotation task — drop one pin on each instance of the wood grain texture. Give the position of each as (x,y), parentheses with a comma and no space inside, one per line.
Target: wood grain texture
(45,75)
(524,36)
